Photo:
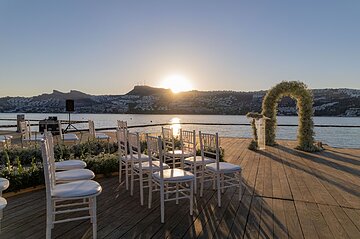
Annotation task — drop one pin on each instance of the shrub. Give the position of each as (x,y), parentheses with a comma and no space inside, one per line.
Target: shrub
(25,155)
(21,177)
(254,116)
(103,163)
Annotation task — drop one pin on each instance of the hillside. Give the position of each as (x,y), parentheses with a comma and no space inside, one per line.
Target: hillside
(145,99)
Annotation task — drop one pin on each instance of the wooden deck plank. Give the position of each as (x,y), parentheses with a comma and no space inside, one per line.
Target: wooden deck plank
(280,226)
(267,219)
(254,218)
(287,193)
(320,224)
(237,229)
(334,225)
(292,220)
(307,225)
(354,216)
(215,214)
(346,222)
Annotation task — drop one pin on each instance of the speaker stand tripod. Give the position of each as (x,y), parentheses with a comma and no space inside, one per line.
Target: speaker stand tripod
(70,125)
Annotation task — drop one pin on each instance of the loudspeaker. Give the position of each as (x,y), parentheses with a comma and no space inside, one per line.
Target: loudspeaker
(70,106)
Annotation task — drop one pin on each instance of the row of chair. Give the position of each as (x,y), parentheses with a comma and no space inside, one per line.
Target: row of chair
(176,173)
(69,189)
(28,136)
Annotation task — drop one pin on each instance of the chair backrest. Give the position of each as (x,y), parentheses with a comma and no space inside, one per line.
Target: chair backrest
(122,124)
(49,172)
(60,130)
(92,129)
(188,141)
(134,145)
(155,151)
(50,141)
(209,146)
(121,135)
(25,129)
(168,139)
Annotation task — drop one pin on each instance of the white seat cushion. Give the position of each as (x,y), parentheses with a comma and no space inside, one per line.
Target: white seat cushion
(224,167)
(3,203)
(178,153)
(4,138)
(126,158)
(4,184)
(198,160)
(102,136)
(70,164)
(155,165)
(35,138)
(77,189)
(74,175)
(70,137)
(142,157)
(174,175)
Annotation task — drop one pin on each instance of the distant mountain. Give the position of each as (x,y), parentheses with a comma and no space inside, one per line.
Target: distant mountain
(150,100)
(147,90)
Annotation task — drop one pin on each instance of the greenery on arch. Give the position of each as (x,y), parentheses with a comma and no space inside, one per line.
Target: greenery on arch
(304,101)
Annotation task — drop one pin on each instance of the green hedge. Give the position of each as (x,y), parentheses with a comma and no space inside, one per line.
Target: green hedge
(103,163)
(83,150)
(23,177)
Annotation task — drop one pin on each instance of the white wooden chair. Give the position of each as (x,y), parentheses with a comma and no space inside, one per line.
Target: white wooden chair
(226,174)
(172,155)
(68,137)
(66,198)
(193,162)
(124,157)
(97,135)
(26,134)
(4,184)
(140,168)
(66,175)
(170,181)
(122,124)
(68,164)
(5,140)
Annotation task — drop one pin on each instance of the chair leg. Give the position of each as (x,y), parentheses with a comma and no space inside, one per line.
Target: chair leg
(120,170)
(53,213)
(141,189)
(191,198)
(202,182)
(162,202)
(126,176)
(222,183)
(218,189)
(94,222)
(150,191)
(167,189)
(132,182)
(195,180)
(240,185)
(177,193)
(49,222)
(1,216)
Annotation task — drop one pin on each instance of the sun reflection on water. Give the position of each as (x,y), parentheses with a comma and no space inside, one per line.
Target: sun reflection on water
(175,126)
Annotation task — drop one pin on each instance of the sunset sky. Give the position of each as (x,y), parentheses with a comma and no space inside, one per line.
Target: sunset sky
(107,47)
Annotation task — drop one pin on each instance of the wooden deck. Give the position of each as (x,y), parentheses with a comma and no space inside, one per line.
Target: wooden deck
(287,194)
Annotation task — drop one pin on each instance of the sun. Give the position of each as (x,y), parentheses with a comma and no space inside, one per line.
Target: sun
(177,83)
